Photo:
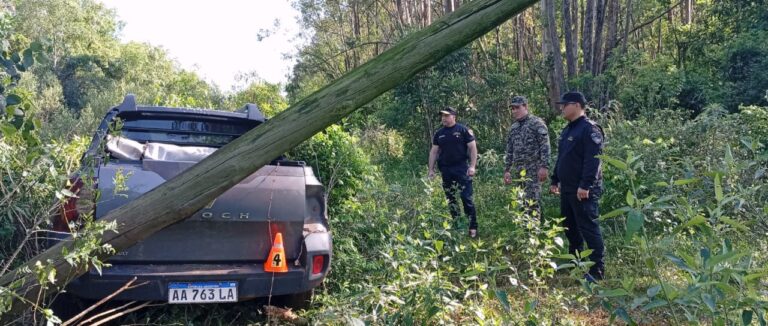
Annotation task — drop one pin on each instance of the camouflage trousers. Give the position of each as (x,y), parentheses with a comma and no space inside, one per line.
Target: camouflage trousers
(531,200)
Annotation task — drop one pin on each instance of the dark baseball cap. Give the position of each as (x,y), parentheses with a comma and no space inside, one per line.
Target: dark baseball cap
(573,97)
(518,100)
(448,110)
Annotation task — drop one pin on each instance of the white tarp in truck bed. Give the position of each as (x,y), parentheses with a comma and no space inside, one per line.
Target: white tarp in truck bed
(126,149)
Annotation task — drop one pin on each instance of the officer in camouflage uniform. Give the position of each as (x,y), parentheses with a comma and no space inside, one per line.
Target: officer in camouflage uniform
(527,149)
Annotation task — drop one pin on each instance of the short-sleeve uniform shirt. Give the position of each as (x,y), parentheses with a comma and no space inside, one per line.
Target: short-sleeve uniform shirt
(453,145)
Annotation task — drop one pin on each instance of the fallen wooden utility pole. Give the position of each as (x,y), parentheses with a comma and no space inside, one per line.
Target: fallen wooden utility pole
(190,191)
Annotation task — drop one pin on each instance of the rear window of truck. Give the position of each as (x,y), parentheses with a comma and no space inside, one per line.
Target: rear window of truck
(183,129)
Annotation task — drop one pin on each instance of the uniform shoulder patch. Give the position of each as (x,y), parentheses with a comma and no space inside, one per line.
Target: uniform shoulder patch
(540,125)
(537,125)
(596,133)
(596,137)
(470,132)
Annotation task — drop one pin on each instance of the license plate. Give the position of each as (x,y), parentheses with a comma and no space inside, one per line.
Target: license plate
(202,292)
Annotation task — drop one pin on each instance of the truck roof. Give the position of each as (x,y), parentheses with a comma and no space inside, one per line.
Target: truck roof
(249,111)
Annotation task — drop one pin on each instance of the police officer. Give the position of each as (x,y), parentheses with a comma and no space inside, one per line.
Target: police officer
(578,179)
(452,146)
(527,149)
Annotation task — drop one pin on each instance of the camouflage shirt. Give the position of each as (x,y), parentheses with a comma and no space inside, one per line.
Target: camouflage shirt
(527,145)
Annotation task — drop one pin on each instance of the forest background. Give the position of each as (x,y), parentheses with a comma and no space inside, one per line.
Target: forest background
(679,86)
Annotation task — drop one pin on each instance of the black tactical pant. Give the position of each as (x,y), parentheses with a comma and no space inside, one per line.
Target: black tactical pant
(581,223)
(457,182)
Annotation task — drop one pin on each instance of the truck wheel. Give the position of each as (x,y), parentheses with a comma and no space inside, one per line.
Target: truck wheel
(296,301)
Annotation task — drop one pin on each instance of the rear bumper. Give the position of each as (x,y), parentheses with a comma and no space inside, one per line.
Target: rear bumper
(252,280)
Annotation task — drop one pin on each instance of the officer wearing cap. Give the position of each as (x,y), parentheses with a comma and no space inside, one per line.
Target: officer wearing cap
(455,151)
(578,179)
(527,150)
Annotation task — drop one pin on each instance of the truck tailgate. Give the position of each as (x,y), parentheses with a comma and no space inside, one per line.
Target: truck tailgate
(236,227)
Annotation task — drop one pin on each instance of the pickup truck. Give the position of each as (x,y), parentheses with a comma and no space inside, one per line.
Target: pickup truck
(217,254)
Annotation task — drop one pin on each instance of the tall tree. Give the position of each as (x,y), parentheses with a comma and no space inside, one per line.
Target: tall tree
(449,6)
(587,36)
(84,27)
(571,51)
(627,24)
(597,43)
(354,6)
(520,41)
(613,21)
(551,50)
(687,11)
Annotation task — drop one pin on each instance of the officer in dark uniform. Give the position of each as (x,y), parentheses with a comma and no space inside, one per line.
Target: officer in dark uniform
(578,179)
(452,146)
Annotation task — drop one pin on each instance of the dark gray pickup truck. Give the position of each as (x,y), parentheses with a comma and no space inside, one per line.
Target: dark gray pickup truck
(217,254)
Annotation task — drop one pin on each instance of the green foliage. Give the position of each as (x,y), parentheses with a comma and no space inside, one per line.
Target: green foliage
(399,259)
(74,27)
(693,216)
(382,144)
(265,95)
(338,162)
(743,59)
(31,177)
(641,84)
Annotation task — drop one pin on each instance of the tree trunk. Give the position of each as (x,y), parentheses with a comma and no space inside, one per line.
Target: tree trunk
(449,6)
(570,50)
(613,29)
(670,14)
(355,19)
(520,33)
(627,24)
(691,11)
(597,43)
(500,50)
(355,30)
(408,13)
(687,11)
(575,33)
(611,38)
(191,190)
(587,36)
(660,44)
(427,12)
(552,56)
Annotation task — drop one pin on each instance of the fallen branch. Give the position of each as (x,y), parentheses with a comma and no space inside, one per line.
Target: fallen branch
(115,315)
(127,286)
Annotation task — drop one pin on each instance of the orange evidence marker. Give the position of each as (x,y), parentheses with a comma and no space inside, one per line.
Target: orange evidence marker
(276,261)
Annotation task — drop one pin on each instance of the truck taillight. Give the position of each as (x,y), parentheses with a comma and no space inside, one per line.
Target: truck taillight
(74,206)
(318,264)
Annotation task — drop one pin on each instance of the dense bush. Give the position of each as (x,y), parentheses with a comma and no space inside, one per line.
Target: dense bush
(741,59)
(686,196)
(338,162)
